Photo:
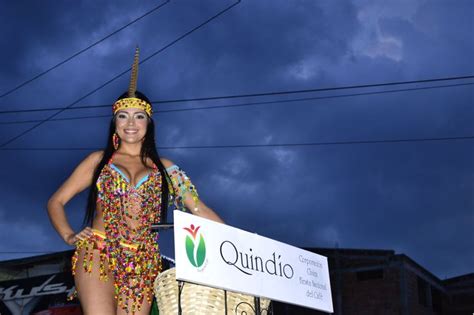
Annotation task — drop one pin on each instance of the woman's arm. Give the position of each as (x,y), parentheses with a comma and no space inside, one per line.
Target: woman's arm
(194,205)
(201,209)
(79,180)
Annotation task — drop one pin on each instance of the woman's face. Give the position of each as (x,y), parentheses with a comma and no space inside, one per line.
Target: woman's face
(131,124)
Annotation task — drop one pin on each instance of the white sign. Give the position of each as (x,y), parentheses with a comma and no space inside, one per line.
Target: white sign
(220,256)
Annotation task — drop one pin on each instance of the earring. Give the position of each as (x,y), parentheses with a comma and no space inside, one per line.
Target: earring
(115,141)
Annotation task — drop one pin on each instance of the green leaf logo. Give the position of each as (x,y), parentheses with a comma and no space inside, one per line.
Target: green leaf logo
(195,250)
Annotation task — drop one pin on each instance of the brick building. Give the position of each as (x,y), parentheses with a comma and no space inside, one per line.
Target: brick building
(378,282)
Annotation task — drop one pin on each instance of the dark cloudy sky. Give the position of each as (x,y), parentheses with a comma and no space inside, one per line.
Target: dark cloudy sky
(413,197)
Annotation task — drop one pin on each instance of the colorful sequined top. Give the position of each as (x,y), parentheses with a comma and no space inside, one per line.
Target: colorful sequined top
(128,212)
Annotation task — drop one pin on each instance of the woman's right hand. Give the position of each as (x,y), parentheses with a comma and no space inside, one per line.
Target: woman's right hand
(82,235)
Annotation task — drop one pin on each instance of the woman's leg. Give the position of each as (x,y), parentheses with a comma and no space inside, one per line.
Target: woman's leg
(96,296)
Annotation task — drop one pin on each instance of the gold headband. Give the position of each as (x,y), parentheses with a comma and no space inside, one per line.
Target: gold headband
(132,101)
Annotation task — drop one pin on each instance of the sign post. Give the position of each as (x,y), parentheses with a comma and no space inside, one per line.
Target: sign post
(224,257)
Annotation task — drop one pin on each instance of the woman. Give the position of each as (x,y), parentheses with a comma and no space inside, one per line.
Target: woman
(117,259)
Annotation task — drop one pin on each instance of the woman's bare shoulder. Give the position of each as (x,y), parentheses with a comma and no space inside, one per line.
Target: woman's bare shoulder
(95,156)
(166,163)
(93,159)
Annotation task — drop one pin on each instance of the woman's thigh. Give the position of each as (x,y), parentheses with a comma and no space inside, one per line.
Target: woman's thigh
(96,296)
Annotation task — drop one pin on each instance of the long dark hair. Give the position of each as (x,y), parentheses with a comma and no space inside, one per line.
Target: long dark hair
(148,150)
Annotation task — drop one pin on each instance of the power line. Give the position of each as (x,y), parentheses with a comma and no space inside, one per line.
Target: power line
(54,119)
(83,50)
(331,143)
(29,252)
(119,75)
(321,89)
(246,104)
(347,87)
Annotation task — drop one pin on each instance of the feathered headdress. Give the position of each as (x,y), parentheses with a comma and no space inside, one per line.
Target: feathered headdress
(132,101)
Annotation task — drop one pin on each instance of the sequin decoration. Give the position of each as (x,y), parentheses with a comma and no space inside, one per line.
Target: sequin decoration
(129,249)
(132,102)
(182,185)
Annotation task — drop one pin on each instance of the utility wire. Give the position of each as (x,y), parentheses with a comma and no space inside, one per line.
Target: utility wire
(245,104)
(83,50)
(122,73)
(347,87)
(29,252)
(321,89)
(269,145)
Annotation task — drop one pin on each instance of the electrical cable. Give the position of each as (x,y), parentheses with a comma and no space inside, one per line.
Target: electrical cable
(270,94)
(244,104)
(331,143)
(119,75)
(82,50)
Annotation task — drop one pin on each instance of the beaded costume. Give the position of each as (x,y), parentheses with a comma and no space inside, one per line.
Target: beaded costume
(128,248)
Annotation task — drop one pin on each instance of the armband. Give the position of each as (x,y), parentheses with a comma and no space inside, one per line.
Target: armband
(181,185)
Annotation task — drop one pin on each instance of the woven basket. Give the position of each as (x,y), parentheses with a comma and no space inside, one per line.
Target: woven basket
(198,299)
